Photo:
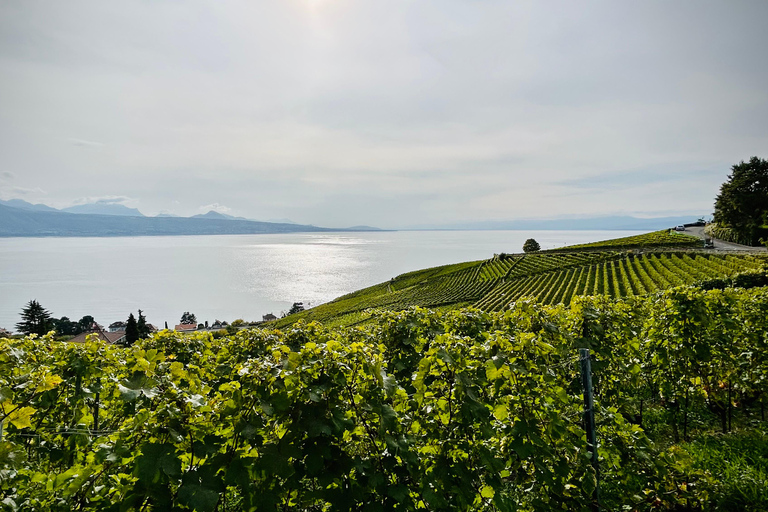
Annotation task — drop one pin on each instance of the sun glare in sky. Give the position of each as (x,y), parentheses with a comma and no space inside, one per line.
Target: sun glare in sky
(392,114)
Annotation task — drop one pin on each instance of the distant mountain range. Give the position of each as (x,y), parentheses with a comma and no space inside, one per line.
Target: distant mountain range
(20,218)
(23,205)
(91,209)
(119,209)
(586,224)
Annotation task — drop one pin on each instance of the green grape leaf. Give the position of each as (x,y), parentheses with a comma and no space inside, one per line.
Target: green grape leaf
(201,489)
(157,462)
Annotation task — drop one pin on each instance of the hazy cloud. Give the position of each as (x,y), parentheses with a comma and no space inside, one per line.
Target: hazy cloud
(28,191)
(86,143)
(103,200)
(642,177)
(216,207)
(341,112)
(7,175)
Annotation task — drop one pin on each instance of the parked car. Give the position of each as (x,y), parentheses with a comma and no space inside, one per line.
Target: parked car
(680,228)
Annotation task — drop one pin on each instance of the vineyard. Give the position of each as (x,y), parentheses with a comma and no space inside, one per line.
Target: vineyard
(473,404)
(548,277)
(419,410)
(663,238)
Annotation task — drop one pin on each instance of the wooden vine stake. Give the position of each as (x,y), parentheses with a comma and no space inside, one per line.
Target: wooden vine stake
(589,418)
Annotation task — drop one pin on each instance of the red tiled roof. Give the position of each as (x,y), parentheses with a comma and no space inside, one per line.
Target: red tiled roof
(185,327)
(109,337)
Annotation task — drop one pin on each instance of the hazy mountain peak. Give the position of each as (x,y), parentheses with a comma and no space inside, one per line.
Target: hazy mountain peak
(104,209)
(25,205)
(213,214)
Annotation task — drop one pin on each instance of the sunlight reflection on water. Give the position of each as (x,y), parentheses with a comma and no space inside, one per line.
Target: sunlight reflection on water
(228,277)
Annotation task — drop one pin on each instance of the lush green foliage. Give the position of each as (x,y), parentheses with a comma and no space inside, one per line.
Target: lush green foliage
(66,327)
(142,327)
(531,245)
(461,410)
(742,203)
(715,230)
(131,330)
(35,319)
(731,470)
(297,307)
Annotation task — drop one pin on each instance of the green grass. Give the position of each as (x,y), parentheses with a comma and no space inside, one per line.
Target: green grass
(732,469)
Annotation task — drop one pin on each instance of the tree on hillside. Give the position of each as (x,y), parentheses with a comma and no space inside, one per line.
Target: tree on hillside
(188,318)
(742,204)
(85,324)
(142,327)
(531,245)
(297,307)
(65,327)
(131,330)
(35,319)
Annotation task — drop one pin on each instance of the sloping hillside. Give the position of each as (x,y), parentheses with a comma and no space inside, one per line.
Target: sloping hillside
(549,277)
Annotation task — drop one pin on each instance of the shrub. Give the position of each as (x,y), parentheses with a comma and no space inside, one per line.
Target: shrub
(531,245)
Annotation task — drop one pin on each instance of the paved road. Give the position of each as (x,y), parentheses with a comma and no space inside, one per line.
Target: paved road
(721,245)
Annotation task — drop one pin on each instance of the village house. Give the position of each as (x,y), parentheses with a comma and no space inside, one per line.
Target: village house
(217,325)
(117,326)
(101,334)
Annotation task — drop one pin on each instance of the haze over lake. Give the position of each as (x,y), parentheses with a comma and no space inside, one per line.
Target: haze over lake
(229,277)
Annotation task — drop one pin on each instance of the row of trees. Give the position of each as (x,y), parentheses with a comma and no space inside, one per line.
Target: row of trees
(35,319)
(136,330)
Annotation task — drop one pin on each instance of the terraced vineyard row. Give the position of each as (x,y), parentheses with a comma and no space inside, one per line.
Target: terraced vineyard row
(624,276)
(506,267)
(550,278)
(539,263)
(458,285)
(663,238)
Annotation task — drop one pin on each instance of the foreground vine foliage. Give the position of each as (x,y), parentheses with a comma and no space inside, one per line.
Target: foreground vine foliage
(419,410)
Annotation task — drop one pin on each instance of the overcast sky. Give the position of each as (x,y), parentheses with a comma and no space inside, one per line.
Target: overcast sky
(387,113)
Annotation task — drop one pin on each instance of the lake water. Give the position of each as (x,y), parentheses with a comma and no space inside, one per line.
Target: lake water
(229,277)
